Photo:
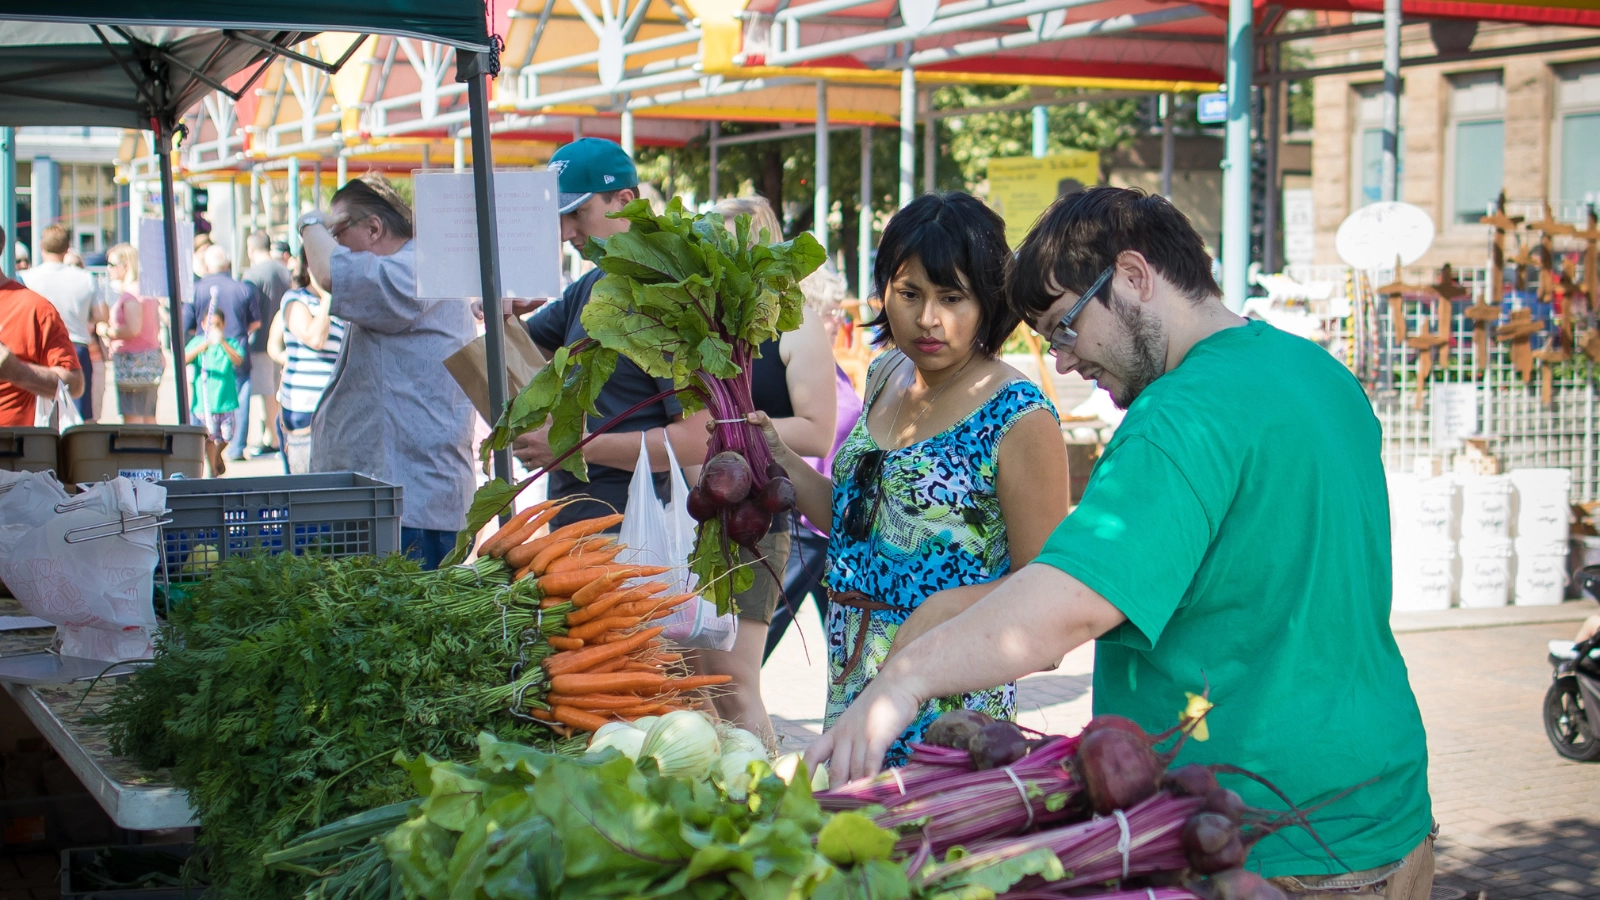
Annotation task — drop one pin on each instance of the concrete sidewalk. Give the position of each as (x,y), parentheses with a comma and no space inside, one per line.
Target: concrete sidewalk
(1496,617)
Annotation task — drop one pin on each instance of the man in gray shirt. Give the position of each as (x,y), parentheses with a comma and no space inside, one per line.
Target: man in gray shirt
(271,278)
(392,411)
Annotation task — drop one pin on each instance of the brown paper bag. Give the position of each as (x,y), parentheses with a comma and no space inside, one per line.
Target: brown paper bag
(470,366)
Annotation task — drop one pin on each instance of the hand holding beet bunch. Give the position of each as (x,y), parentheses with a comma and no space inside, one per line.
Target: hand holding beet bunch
(683,299)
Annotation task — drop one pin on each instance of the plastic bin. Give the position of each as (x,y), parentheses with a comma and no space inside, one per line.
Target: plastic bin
(28,449)
(1485,573)
(333,514)
(149,452)
(85,870)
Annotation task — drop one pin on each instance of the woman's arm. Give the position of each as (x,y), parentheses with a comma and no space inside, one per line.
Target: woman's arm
(808,369)
(813,490)
(1034,491)
(311,328)
(132,320)
(277,350)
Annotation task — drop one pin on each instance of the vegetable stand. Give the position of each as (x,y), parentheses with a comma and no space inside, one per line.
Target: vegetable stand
(133,798)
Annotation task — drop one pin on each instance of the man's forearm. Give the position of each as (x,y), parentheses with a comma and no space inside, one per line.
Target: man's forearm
(1023,626)
(35,379)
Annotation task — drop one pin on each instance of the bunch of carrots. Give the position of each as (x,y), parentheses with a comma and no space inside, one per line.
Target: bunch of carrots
(611,665)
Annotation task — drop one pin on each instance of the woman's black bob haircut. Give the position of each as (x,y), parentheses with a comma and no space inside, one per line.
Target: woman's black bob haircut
(961,243)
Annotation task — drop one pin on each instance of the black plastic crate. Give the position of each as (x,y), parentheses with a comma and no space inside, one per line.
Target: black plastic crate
(139,872)
(333,514)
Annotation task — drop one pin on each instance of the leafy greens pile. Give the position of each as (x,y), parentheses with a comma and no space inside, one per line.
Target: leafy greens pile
(283,685)
(522,823)
(684,299)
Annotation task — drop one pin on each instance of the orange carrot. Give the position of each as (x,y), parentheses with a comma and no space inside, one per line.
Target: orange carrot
(585,559)
(643,709)
(525,535)
(574,531)
(552,602)
(570,582)
(542,715)
(593,701)
(590,631)
(610,665)
(493,546)
(694,682)
(594,590)
(579,660)
(607,683)
(577,718)
(565,643)
(520,574)
(548,554)
(599,608)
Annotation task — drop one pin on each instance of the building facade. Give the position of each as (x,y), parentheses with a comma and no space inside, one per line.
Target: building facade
(1527,124)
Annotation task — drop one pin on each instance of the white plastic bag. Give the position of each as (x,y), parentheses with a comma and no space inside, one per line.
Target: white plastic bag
(45,409)
(660,535)
(96,589)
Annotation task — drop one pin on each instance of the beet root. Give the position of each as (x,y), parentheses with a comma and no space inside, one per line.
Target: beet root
(1213,843)
(1192,780)
(726,479)
(1118,768)
(699,506)
(997,745)
(1227,803)
(1239,884)
(748,524)
(1116,723)
(956,729)
(777,495)
(776,471)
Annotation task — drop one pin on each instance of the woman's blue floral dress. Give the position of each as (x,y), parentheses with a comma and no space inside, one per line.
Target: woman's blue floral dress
(938,526)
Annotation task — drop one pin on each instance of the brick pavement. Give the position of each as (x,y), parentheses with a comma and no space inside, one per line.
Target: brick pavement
(1516,819)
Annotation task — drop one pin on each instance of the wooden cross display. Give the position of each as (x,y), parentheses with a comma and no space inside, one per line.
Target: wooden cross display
(1448,287)
(1545,255)
(1425,342)
(1591,255)
(1554,352)
(1396,291)
(1482,315)
(1518,331)
(1591,345)
(1501,223)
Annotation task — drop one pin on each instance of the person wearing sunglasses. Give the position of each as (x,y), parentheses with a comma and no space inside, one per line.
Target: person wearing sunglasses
(1233,542)
(956,473)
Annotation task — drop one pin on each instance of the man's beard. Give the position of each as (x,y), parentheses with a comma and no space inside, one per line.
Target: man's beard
(1141,357)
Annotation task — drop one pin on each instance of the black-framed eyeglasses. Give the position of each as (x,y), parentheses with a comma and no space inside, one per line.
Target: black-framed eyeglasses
(1062,338)
(862,510)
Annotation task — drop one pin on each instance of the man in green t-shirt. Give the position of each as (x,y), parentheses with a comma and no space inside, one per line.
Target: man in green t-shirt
(1234,534)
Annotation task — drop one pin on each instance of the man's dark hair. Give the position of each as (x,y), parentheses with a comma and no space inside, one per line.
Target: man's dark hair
(1084,232)
(954,236)
(373,195)
(258,241)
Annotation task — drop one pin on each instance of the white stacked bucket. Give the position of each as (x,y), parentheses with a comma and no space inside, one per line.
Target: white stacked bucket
(1486,546)
(1543,525)
(1423,528)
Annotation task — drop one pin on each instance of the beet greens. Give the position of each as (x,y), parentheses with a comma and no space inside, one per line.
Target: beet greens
(683,299)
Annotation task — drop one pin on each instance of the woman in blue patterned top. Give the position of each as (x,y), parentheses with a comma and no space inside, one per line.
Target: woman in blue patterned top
(954,476)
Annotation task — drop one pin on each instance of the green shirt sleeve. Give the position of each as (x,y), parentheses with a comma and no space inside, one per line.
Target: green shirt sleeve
(1136,539)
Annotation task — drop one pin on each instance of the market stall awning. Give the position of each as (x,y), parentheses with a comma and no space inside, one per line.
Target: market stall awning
(122,64)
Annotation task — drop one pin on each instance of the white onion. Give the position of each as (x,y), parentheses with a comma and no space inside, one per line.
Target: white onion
(683,744)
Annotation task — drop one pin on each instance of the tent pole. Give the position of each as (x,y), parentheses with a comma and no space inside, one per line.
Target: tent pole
(712,143)
(476,69)
(294,205)
(169,228)
(8,197)
(1169,103)
(822,203)
(908,134)
(930,145)
(341,172)
(1388,179)
(1270,246)
(864,219)
(1236,174)
(1041,131)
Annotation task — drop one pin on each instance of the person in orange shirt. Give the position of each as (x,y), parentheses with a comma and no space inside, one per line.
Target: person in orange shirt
(35,353)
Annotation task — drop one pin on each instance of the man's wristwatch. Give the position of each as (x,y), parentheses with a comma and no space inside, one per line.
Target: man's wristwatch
(310,218)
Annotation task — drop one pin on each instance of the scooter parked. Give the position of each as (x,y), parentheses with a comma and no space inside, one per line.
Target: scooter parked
(1572,705)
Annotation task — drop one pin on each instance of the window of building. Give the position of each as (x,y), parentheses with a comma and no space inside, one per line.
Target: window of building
(1576,178)
(1367,180)
(1475,144)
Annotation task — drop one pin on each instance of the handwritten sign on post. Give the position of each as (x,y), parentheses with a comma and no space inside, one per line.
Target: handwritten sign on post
(529,225)
(153,259)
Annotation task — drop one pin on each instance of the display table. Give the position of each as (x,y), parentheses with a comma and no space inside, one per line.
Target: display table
(133,798)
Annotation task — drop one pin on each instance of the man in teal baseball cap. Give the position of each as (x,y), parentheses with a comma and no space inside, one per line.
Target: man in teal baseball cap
(597,178)
(589,168)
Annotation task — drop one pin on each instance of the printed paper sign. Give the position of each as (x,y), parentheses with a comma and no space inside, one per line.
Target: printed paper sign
(1020,188)
(1454,413)
(153,259)
(529,225)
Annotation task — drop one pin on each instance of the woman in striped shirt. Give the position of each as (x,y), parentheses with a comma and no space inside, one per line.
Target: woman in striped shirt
(311,339)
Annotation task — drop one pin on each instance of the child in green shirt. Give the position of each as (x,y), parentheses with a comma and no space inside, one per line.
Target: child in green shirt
(212,359)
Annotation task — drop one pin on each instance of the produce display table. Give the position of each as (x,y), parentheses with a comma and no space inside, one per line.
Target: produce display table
(133,798)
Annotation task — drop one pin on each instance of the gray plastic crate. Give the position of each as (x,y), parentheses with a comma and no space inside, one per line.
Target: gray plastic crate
(331,514)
